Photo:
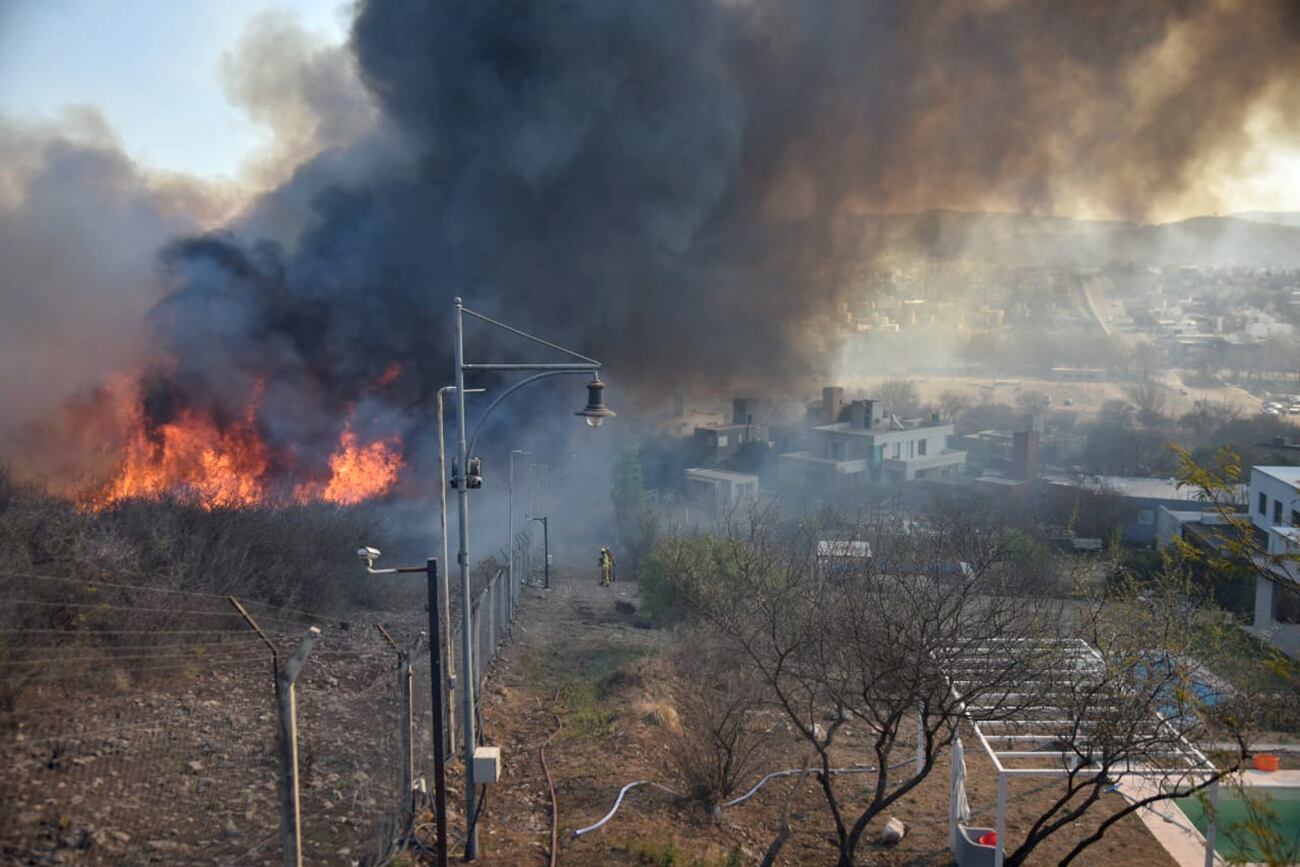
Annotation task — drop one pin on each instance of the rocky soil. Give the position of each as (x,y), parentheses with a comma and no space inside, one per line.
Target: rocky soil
(175,761)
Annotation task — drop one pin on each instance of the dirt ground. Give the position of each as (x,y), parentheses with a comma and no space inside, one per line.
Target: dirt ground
(176,764)
(606,666)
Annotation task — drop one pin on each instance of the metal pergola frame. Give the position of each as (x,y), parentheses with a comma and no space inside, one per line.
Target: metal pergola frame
(1078,657)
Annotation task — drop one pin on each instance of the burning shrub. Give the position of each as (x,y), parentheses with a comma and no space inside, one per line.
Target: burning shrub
(298,555)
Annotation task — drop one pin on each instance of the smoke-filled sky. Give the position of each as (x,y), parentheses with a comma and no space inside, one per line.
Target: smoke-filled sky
(671,187)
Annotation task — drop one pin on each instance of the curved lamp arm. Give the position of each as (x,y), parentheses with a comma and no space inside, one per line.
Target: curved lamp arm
(511,390)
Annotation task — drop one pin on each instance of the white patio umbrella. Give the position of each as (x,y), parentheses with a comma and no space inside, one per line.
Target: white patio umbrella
(959,807)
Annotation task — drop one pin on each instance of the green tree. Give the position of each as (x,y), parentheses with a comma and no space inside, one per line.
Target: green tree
(635,520)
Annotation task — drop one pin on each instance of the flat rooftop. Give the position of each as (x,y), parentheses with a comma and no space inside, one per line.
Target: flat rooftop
(721,475)
(1288,475)
(1129,486)
(886,427)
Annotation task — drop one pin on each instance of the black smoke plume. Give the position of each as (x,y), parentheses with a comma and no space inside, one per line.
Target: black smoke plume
(680,188)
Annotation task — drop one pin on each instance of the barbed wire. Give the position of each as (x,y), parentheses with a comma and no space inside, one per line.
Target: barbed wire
(189,770)
(105,606)
(142,588)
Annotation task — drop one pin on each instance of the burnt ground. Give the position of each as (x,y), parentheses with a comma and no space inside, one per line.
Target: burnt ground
(613,688)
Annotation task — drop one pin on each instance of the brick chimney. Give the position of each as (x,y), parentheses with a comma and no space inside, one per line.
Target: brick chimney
(832,403)
(1024,452)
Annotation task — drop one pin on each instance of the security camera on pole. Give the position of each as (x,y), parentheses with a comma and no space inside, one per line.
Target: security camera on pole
(467,474)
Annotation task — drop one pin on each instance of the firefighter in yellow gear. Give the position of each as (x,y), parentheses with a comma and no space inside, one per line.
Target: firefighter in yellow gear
(606,567)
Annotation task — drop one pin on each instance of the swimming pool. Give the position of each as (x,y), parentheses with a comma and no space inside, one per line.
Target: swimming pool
(1233,841)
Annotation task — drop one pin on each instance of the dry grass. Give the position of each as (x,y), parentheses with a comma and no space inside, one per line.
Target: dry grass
(299,556)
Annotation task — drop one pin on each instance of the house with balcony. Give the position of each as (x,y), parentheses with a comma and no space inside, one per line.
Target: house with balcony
(868,448)
(1273,509)
(1274,503)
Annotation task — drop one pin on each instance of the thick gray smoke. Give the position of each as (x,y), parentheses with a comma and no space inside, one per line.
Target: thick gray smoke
(80,227)
(678,188)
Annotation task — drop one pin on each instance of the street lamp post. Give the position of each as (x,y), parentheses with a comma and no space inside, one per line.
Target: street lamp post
(546,548)
(594,413)
(532,507)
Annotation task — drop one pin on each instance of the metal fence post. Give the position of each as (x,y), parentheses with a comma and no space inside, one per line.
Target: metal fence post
(477,619)
(437,682)
(286,698)
(499,607)
(286,705)
(491,617)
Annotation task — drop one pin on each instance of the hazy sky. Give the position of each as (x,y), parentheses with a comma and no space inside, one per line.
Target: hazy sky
(150,66)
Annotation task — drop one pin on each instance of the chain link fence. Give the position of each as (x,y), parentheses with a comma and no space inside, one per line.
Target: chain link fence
(140,724)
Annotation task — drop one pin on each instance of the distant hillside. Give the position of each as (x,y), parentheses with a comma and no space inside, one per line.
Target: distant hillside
(1017,239)
(1280,218)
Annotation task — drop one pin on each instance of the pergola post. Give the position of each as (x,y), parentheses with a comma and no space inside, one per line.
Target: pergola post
(999,851)
(952,806)
(1210,824)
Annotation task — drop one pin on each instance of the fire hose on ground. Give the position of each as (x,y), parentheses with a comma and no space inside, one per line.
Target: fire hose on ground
(555,805)
(835,772)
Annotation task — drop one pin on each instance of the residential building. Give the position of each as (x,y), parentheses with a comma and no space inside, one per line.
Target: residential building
(867,448)
(1273,511)
(717,442)
(1133,501)
(720,492)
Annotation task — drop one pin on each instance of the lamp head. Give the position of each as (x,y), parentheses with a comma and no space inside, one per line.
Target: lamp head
(595,412)
(368,554)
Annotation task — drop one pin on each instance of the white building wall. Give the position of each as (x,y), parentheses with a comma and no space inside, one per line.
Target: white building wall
(1276,496)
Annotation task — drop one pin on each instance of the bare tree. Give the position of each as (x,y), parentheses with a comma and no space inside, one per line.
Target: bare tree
(867,645)
(900,396)
(1148,360)
(1136,705)
(1148,396)
(1033,403)
(722,734)
(952,404)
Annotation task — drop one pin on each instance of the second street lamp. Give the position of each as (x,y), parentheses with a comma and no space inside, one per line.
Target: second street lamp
(595,412)
(510,524)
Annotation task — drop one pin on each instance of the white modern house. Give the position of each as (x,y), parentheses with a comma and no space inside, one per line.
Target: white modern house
(1275,511)
(1273,508)
(870,447)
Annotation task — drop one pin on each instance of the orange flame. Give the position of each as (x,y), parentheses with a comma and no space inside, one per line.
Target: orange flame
(358,472)
(190,456)
(219,467)
(389,376)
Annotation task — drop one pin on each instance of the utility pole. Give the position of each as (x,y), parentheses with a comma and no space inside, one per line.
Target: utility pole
(468,687)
